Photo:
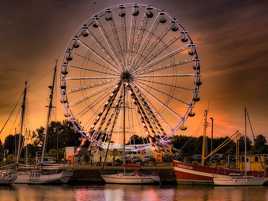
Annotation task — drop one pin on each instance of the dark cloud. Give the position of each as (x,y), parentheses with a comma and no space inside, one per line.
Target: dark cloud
(231,37)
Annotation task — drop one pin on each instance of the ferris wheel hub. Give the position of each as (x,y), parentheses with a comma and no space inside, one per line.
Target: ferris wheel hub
(126,76)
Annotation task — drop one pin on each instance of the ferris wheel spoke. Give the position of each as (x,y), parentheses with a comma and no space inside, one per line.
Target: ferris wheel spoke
(143,112)
(152,70)
(114,113)
(94,103)
(132,38)
(91,78)
(110,45)
(165,84)
(167,56)
(92,69)
(152,117)
(153,46)
(90,96)
(139,37)
(167,75)
(156,112)
(96,109)
(160,102)
(93,86)
(107,108)
(100,56)
(152,56)
(125,40)
(112,57)
(140,32)
(111,131)
(159,113)
(116,35)
(132,116)
(145,41)
(165,93)
(163,119)
(95,62)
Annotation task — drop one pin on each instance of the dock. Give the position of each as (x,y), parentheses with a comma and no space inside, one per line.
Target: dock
(92,174)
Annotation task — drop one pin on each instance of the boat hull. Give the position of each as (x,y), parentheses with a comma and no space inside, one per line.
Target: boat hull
(196,174)
(186,175)
(129,179)
(238,181)
(55,178)
(8,179)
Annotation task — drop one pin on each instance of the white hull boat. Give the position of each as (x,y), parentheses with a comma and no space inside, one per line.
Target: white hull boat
(226,180)
(7,177)
(240,180)
(38,177)
(130,179)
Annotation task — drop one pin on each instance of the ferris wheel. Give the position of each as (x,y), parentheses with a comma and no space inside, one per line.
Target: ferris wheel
(130,70)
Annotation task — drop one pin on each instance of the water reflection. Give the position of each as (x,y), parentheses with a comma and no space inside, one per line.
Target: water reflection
(132,193)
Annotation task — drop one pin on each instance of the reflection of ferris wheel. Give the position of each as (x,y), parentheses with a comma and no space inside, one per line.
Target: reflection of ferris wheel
(130,70)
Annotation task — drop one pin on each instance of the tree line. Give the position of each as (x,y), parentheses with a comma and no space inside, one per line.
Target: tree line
(193,145)
(62,134)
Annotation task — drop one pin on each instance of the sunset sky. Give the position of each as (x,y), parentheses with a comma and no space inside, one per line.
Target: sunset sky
(231,36)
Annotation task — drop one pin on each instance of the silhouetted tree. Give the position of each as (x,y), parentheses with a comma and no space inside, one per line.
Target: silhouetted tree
(11,143)
(241,142)
(260,145)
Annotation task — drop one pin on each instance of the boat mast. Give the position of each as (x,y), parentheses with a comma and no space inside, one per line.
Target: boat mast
(237,153)
(212,133)
(50,107)
(245,141)
(204,144)
(124,127)
(27,134)
(22,119)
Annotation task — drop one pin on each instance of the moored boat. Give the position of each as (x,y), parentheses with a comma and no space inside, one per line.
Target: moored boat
(36,176)
(238,180)
(40,173)
(187,173)
(135,178)
(7,177)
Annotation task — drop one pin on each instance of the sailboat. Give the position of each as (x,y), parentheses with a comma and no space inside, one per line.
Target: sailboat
(123,178)
(190,173)
(40,173)
(7,175)
(240,179)
(128,178)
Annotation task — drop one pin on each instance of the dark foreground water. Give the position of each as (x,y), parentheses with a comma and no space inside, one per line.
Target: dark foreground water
(132,193)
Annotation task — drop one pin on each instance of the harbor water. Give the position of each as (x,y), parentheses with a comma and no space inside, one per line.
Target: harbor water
(131,193)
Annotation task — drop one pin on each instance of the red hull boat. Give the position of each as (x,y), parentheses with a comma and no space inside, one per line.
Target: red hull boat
(187,173)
